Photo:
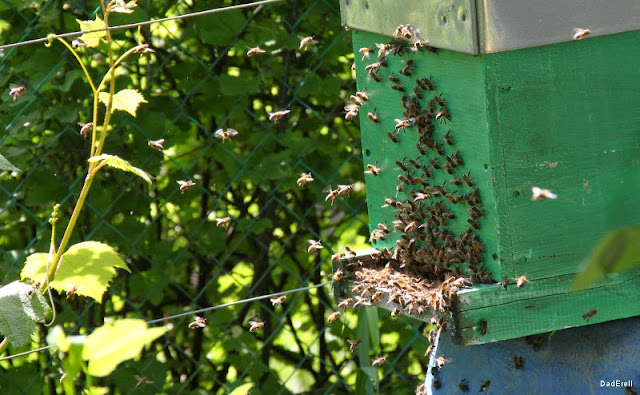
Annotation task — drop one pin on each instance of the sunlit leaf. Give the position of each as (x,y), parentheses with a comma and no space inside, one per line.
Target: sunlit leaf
(20,308)
(92,40)
(116,342)
(35,267)
(6,165)
(124,7)
(121,164)
(125,100)
(617,252)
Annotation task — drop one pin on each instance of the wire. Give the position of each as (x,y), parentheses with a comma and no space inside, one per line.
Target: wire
(128,26)
(195,312)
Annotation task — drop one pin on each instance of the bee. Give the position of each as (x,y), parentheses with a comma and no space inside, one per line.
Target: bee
(463,386)
(426,84)
(468,180)
(142,381)
(537,343)
(418,92)
(184,185)
(356,100)
(438,148)
(630,390)
(408,68)
(579,34)
(255,51)
(541,194)
(394,79)
(349,115)
(86,127)
(306,41)
(443,115)
(402,123)
(457,158)
(379,361)
(199,322)
(361,302)
(398,88)
(333,316)
(276,116)
(485,386)
(375,76)
(278,301)
(440,361)
(587,316)
(376,235)
(353,344)
(223,222)
(383,49)
(383,228)
(373,117)
(255,326)
(304,178)
(337,256)
(366,52)
(373,169)
(421,197)
(314,245)
(349,250)
(517,362)
(473,223)
(437,384)
(505,282)
(226,134)
(455,182)
(34,287)
(429,350)
(345,189)
(434,163)
(392,137)
(396,312)
(447,137)
(374,66)
(521,281)
(344,303)
(332,195)
(156,144)
(483,327)
(402,165)
(338,275)
(72,291)
(16,90)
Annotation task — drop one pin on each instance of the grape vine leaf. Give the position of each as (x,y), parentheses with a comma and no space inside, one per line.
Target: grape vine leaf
(116,342)
(92,40)
(88,267)
(20,308)
(121,164)
(6,165)
(125,100)
(122,7)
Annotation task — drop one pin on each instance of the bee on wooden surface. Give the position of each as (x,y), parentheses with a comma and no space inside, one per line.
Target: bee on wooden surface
(71,291)
(223,222)
(438,148)
(16,90)
(375,76)
(278,300)
(517,362)
(331,196)
(276,116)
(440,361)
(373,117)
(434,163)
(402,123)
(255,51)
(505,282)
(402,165)
(338,275)
(376,235)
(379,361)
(349,250)
(373,66)
(579,34)
(398,88)
(304,178)
(356,100)
(155,144)
(393,78)
(447,137)
(344,303)
(184,185)
(305,42)
(587,316)
(426,84)
(463,386)
(443,115)
(408,68)
(353,344)
(537,343)
(314,245)
(429,350)
(521,281)
(541,194)
(485,386)
(455,182)
(366,52)
(225,134)
(361,302)
(333,316)
(362,95)
(483,327)
(198,322)
(383,49)
(418,92)
(392,137)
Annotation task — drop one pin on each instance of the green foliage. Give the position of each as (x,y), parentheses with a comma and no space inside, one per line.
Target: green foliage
(120,164)
(125,100)
(6,165)
(617,252)
(20,308)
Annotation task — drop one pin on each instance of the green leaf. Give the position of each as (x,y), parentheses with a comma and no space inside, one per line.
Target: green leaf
(121,164)
(617,252)
(116,342)
(122,7)
(125,100)
(35,267)
(92,40)
(20,308)
(6,165)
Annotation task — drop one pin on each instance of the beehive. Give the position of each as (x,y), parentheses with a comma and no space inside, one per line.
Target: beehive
(562,116)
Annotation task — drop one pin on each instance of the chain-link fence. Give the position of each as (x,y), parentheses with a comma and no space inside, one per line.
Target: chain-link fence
(199,80)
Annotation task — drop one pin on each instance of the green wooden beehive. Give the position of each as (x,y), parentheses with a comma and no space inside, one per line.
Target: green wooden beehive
(564,116)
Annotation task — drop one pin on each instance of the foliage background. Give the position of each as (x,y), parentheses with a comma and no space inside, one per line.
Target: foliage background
(200,80)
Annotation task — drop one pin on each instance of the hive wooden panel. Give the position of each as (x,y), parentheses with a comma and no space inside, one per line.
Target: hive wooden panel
(563,117)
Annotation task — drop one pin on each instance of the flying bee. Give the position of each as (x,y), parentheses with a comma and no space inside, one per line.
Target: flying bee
(379,361)
(361,302)
(349,115)
(587,316)
(278,301)
(16,90)
(276,116)
(255,51)
(373,169)
(225,134)
(142,381)
(255,326)
(332,195)
(521,281)
(366,52)
(579,34)
(344,303)
(372,116)
(541,194)
(440,361)
(156,144)
(338,275)
(255,322)
(447,137)
(304,178)
(353,344)
(86,127)
(223,222)
(345,189)
(349,250)
(517,362)
(333,316)
(306,41)
(198,322)
(392,137)
(184,185)
(408,68)
(72,291)
(463,386)
(314,245)
(485,386)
